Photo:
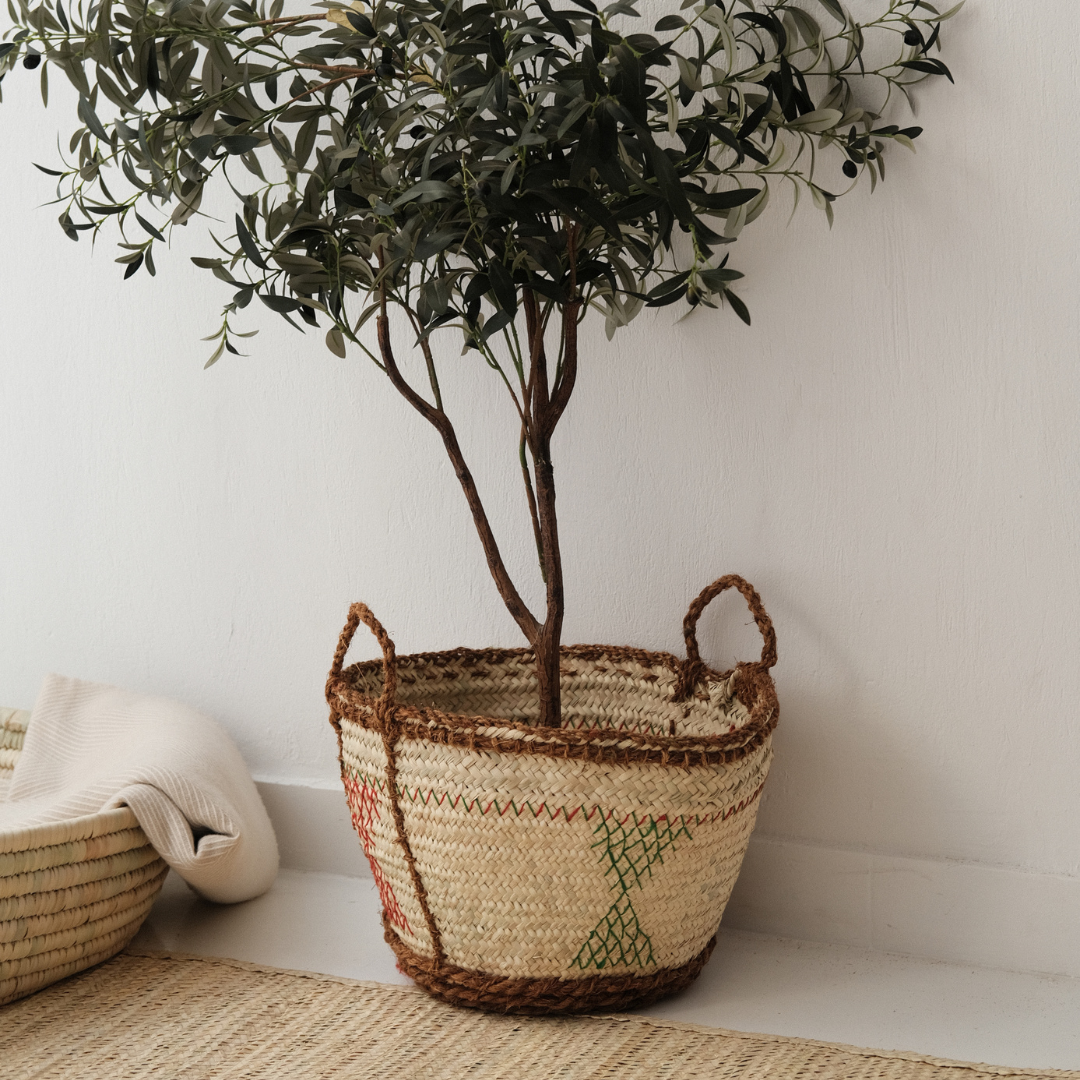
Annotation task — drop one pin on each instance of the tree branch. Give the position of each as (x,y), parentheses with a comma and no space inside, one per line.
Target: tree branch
(314,90)
(425,346)
(536,402)
(544,418)
(530,492)
(525,619)
(286,19)
(568,376)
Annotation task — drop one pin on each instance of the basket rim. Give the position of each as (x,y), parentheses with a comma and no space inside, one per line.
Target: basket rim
(67,830)
(755,691)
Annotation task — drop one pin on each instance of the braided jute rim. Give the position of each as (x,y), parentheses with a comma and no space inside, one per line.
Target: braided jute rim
(753,686)
(542,997)
(754,689)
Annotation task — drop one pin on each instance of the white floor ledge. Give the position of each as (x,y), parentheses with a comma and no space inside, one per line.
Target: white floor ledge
(329,923)
(964,913)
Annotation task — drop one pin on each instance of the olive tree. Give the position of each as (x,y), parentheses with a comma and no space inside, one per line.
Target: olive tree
(495,169)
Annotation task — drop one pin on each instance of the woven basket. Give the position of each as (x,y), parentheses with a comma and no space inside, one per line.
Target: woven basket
(72,893)
(552,870)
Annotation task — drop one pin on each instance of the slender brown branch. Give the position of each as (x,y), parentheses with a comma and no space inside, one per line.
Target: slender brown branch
(360,73)
(526,417)
(547,648)
(287,19)
(316,90)
(338,69)
(544,419)
(527,476)
(534,328)
(571,251)
(525,619)
(568,375)
(433,378)
(537,401)
(425,346)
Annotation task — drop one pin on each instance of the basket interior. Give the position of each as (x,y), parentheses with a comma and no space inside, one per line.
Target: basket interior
(599,691)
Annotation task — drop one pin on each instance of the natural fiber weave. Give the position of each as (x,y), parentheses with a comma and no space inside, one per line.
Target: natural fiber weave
(545,870)
(12,733)
(72,893)
(154,1017)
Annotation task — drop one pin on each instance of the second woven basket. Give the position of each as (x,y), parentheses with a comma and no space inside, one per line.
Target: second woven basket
(546,870)
(72,893)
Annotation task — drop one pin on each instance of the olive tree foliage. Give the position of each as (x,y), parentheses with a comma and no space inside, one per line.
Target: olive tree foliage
(495,168)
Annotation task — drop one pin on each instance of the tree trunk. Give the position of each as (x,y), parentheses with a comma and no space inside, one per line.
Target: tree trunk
(544,411)
(541,411)
(550,637)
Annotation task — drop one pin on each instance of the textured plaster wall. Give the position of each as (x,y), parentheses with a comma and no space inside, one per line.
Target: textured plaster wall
(889,454)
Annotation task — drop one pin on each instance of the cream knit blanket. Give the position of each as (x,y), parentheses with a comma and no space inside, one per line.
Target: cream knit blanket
(91,747)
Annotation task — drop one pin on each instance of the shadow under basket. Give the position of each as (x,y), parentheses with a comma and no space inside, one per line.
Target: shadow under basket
(542,870)
(72,893)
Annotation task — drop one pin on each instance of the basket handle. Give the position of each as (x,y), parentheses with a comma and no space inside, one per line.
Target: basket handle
(693,669)
(362,613)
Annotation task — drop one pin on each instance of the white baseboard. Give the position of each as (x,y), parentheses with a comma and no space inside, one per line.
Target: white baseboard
(966,913)
(314,831)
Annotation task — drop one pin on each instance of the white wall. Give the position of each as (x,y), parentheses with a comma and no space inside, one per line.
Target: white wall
(889,454)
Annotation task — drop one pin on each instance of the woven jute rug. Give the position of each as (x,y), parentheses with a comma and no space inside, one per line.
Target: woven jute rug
(165,1016)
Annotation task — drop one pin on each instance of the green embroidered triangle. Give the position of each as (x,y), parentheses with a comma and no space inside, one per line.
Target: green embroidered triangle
(628,853)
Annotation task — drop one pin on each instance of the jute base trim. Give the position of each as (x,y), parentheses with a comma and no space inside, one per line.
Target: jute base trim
(543,997)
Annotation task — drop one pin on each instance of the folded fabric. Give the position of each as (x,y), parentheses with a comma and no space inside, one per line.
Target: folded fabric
(91,747)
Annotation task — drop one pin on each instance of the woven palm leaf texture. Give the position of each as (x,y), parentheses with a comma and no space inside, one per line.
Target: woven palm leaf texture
(546,870)
(72,893)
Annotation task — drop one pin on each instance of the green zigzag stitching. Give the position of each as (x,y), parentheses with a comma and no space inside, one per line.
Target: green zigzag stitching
(629,854)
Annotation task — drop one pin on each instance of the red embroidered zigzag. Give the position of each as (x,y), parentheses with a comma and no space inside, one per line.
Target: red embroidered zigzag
(364,804)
